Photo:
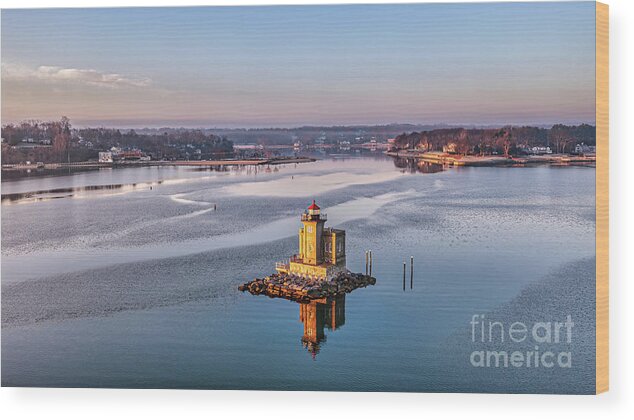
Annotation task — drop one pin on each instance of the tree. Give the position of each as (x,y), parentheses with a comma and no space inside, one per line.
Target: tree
(9,133)
(61,139)
(504,140)
(463,144)
(559,135)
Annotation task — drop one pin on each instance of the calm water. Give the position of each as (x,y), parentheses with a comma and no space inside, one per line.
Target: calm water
(128,278)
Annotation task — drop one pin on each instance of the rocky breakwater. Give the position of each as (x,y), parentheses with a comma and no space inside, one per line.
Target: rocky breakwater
(294,287)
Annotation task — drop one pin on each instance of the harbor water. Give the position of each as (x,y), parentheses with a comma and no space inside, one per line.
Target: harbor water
(129,277)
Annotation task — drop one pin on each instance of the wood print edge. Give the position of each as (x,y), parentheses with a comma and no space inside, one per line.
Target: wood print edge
(602,198)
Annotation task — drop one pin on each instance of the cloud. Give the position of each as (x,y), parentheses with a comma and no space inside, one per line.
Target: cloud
(57,74)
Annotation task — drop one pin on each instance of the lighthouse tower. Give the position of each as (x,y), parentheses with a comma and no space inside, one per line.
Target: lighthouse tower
(310,236)
(322,251)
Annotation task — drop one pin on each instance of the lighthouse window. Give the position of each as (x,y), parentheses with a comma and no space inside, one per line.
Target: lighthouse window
(310,229)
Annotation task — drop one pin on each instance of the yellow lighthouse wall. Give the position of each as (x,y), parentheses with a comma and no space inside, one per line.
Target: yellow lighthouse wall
(335,246)
(322,251)
(322,271)
(310,242)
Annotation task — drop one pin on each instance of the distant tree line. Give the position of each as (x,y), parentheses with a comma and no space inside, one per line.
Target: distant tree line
(506,140)
(306,134)
(58,141)
(182,144)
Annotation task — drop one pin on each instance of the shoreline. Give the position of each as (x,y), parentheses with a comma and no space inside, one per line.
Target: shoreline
(9,168)
(468,160)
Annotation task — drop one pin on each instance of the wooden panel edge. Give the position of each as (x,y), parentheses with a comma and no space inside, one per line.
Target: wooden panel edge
(602,198)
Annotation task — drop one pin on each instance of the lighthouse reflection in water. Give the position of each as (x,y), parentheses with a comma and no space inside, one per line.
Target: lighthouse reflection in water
(320,314)
(316,278)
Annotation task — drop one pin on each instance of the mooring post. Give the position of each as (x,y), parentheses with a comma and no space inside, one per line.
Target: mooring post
(370,263)
(366,263)
(404,275)
(411,273)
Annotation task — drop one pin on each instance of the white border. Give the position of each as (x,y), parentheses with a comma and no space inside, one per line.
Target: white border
(618,402)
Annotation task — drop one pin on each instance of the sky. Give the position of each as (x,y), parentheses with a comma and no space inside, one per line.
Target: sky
(287,66)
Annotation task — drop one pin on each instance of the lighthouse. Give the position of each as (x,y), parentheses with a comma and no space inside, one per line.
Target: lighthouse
(322,251)
(311,235)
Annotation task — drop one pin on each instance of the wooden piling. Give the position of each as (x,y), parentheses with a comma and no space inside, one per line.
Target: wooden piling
(411,274)
(366,263)
(404,264)
(370,262)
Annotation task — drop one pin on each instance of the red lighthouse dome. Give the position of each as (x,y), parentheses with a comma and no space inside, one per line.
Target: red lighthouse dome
(313,213)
